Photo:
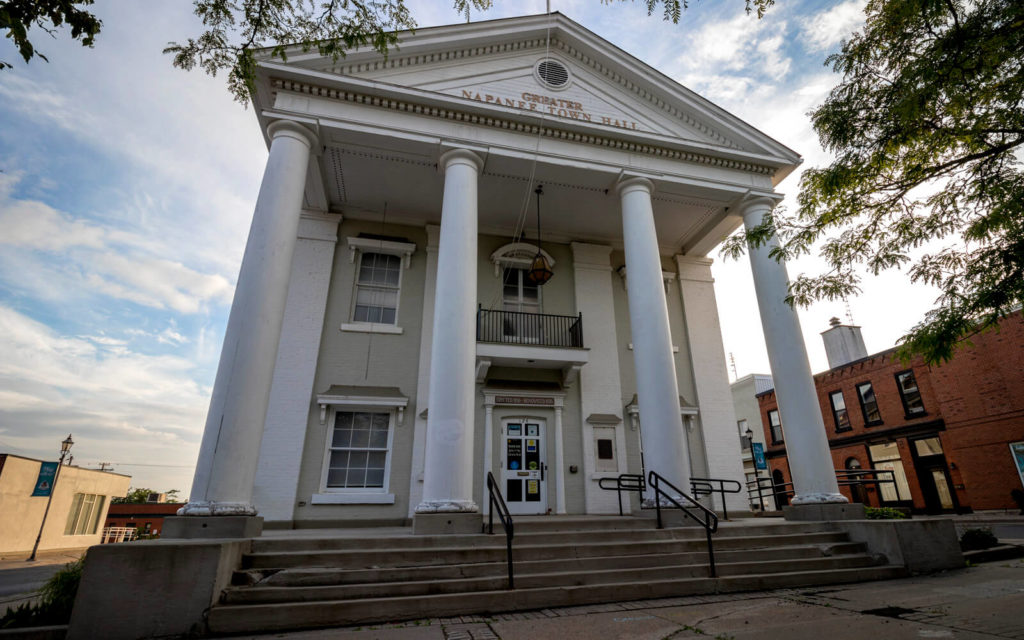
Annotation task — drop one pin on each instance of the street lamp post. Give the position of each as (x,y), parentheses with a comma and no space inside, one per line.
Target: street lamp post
(749,434)
(65,446)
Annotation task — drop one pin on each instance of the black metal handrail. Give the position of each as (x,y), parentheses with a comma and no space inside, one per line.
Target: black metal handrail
(498,504)
(625,482)
(706,486)
(520,327)
(710,521)
(768,488)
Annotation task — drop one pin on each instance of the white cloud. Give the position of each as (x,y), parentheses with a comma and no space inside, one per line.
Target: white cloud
(827,29)
(742,43)
(105,259)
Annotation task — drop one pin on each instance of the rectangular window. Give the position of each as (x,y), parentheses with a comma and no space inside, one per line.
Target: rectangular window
(85,514)
(377,288)
(869,404)
(359,448)
(909,393)
(839,414)
(775,422)
(886,457)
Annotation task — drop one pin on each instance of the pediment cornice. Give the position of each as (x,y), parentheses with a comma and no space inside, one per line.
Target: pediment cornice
(567,49)
(547,129)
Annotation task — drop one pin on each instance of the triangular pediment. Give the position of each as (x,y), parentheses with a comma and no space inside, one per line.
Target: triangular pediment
(494,65)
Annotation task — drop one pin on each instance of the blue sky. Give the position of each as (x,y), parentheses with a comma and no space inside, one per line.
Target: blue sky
(127,186)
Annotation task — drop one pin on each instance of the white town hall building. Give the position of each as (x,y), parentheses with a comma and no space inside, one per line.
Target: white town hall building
(386,348)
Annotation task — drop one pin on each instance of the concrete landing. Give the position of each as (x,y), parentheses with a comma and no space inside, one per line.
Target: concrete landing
(969,604)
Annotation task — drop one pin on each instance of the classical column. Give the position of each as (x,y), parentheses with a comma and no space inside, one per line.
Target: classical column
(228,455)
(664,443)
(559,464)
(448,464)
(814,479)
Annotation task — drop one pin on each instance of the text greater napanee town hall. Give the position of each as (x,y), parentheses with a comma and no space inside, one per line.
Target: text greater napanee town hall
(555,106)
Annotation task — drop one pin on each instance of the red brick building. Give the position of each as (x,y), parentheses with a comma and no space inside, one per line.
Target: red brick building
(147,517)
(945,432)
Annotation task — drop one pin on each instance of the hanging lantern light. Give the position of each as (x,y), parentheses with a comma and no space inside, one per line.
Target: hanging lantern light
(540,269)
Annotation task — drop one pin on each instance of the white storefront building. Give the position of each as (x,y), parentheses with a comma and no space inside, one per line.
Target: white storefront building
(386,349)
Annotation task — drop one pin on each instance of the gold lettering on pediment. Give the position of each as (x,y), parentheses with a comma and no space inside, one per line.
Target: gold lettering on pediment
(560,107)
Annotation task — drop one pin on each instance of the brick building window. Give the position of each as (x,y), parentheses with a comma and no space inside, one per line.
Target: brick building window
(839,414)
(377,288)
(869,404)
(775,422)
(359,448)
(909,394)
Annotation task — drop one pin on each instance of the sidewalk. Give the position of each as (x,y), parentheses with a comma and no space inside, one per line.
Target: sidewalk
(20,579)
(985,601)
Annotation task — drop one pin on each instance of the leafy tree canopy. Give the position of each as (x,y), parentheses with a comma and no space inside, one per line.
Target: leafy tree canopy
(141,496)
(237,29)
(17,17)
(926,129)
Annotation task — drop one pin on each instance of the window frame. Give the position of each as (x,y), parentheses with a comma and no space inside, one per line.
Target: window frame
(78,517)
(907,414)
(330,406)
(384,489)
(359,247)
(397,288)
(771,427)
(863,407)
(835,411)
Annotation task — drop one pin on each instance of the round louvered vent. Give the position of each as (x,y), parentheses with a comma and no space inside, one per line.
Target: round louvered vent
(553,73)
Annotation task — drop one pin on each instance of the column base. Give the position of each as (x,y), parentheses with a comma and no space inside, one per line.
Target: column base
(212,527)
(431,524)
(209,508)
(819,512)
(819,498)
(447,506)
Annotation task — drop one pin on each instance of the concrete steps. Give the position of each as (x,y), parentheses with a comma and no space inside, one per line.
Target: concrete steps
(316,581)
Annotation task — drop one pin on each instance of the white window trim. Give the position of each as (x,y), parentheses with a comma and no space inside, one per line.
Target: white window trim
(395,407)
(402,250)
(517,254)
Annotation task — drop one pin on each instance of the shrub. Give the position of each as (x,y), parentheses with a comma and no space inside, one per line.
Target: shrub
(883,513)
(974,539)
(57,597)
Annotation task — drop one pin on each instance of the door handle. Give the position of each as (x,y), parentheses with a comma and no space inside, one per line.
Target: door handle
(543,468)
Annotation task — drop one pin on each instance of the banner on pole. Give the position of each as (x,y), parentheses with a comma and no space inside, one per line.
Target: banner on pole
(44,485)
(759,460)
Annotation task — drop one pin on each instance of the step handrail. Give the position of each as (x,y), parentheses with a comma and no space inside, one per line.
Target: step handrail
(625,482)
(710,521)
(705,487)
(498,504)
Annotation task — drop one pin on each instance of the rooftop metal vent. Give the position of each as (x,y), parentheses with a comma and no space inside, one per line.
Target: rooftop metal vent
(553,73)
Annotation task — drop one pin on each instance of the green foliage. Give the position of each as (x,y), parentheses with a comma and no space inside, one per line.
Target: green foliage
(926,128)
(141,496)
(57,597)
(17,17)
(883,513)
(974,539)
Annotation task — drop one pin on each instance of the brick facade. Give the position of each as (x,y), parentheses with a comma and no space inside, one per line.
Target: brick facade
(971,408)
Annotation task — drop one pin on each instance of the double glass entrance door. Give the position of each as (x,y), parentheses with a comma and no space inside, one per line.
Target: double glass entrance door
(523,467)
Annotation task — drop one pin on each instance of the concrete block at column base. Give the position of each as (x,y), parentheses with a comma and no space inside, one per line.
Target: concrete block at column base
(824,512)
(193,527)
(152,588)
(432,524)
(922,546)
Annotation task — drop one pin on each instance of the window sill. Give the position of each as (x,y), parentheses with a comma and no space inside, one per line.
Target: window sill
(876,423)
(371,327)
(353,498)
(844,430)
(915,416)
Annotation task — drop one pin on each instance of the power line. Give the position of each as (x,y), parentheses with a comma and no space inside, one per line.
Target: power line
(143,464)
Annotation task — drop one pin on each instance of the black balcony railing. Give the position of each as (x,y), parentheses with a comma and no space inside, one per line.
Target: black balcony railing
(540,329)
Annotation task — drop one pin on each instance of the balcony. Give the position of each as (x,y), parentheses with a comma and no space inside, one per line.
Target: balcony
(530,340)
(535,329)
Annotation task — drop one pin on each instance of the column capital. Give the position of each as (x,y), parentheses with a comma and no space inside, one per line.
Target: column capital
(461,156)
(632,184)
(292,129)
(757,205)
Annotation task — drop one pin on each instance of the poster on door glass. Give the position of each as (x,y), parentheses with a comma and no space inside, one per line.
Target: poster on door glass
(532,487)
(514,454)
(1017,449)
(515,429)
(533,430)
